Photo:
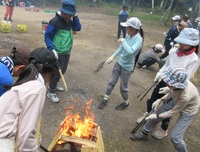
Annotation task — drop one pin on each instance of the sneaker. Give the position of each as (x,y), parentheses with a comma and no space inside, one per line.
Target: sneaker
(59,88)
(139,137)
(5,19)
(141,118)
(122,106)
(159,133)
(53,97)
(102,104)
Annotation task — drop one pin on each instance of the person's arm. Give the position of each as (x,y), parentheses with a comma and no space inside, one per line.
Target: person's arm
(192,68)
(76,24)
(180,105)
(49,35)
(131,49)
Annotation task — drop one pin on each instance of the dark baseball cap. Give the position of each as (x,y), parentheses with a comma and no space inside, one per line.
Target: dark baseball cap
(43,56)
(20,55)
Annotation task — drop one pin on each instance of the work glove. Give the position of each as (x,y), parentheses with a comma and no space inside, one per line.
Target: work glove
(152,116)
(109,60)
(172,44)
(157,77)
(164,90)
(121,40)
(55,53)
(156,104)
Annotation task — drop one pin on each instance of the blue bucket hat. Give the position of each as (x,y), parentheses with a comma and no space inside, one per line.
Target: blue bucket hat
(68,7)
(175,76)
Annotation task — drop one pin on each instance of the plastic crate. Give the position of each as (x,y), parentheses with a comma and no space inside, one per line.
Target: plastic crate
(22,28)
(5,28)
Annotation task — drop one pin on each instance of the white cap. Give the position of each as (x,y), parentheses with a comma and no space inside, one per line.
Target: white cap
(176,18)
(159,47)
(134,22)
(188,36)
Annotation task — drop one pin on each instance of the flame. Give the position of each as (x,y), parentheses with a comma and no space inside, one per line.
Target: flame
(77,126)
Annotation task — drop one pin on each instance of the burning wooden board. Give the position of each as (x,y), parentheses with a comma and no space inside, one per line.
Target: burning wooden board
(84,133)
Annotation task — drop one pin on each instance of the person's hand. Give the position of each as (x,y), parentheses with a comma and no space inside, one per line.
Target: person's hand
(157,77)
(121,40)
(152,116)
(156,104)
(55,53)
(109,60)
(164,90)
(172,44)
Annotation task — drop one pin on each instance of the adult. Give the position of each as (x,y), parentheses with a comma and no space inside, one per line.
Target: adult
(185,101)
(12,65)
(186,20)
(170,36)
(184,56)
(59,40)
(123,68)
(175,20)
(21,106)
(149,57)
(9,10)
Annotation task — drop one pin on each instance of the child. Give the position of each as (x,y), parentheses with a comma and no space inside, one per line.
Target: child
(11,66)
(9,10)
(21,106)
(123,68)
(183,56)
(150,57)
(59,40)
(185,101)
(123,16)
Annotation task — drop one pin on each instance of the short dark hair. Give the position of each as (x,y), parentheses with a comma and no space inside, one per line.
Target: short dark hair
(125,7)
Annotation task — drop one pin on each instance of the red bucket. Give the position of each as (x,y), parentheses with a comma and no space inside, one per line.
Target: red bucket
(44,26)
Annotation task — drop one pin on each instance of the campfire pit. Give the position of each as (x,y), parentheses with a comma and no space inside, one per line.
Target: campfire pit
(80,134)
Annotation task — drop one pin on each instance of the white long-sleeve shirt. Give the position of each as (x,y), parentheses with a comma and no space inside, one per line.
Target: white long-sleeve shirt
(186,101)
(189,62)
(23,103)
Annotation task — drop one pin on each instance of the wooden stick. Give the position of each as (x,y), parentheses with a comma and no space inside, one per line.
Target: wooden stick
(63,79)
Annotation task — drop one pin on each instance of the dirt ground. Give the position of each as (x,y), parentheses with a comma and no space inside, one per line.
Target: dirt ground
(94,44)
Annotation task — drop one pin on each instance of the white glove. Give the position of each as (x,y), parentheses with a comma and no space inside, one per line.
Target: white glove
(152,116)
(121,40)
(164,90)
(109,60)
(157,77)
(172,44)
(55,53)
(156,104)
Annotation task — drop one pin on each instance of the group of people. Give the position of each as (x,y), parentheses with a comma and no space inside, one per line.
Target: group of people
(174,92)
(22,101)
(18,126)
(149,57)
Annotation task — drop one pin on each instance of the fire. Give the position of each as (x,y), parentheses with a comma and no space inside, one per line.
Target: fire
(77,126)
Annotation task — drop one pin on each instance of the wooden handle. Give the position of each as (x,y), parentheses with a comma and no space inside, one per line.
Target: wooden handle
(63,79)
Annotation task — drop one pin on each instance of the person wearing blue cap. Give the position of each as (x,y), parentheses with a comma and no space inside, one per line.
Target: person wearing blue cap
(185,100)
(59,39)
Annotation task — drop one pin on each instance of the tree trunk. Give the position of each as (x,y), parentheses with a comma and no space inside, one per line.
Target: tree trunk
(152,4)
(161,3)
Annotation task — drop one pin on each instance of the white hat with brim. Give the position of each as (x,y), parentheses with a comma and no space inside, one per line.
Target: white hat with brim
(176,18)
(188,36)
(159,47)
(133,22)
(175,76)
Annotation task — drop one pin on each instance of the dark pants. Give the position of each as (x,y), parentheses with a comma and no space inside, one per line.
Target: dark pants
(155,95)
(167,48)
(147,62)
(63,61)
(121,28)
